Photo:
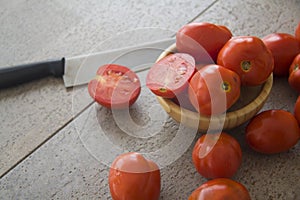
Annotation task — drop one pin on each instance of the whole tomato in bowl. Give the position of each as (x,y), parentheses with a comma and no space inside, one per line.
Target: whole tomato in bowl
(202,40)
(249,58)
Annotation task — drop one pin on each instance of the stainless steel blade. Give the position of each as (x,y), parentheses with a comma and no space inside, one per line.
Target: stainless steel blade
(81,69)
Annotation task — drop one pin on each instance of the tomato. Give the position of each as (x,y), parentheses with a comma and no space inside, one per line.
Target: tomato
(294,77)
(272,131)
(297,32)
(115,86)
(182,99)
(213,89)
(217,155)
(297,110)
(170,75)
(202,40)
(248,57)
(284,48)
(220,188)
(132,177)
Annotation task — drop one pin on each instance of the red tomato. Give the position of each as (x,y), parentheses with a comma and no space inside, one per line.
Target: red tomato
(297,110)
(213,89)
(284,48)
(272,131)
(132,177)
(182,99)
(248,57)
(115,86)
(202,40)
(294,77)
(297,32)
(220,188)
(170,75)
(217,155)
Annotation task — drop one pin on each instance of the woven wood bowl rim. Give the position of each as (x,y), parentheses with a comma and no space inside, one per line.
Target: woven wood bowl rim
(227,120)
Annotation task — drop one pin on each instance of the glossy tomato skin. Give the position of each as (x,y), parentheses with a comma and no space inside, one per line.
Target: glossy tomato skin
(297,32)
(284,48)
(170,75)
(217,155)
(220,188)
(297,110)
(294,77)
(202,40)
(248,57)
(272,131)
(115,86)
(213,89)
(132,177)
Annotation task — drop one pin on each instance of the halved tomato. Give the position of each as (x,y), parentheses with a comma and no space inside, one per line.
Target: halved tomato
(170,75)
(115,86)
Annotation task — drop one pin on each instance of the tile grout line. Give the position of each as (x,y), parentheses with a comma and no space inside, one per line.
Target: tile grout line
(83,110)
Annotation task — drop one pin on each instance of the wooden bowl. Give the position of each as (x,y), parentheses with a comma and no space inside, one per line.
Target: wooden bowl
(249,104)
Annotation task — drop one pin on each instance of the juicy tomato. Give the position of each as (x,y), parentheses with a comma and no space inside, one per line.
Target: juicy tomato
(220,188)
(217,155)
(132,177)
(272,131)
(115,86)
(213,89)
(297,110)
(170,75)
(297,32)
(248,57)
(284,48)
(202,40)
(294,77)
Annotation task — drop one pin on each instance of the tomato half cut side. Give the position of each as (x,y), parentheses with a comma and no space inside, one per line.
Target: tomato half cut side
(115,86)
(170,75)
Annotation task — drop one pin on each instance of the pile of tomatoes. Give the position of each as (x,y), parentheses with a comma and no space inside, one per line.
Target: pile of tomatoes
(207,71)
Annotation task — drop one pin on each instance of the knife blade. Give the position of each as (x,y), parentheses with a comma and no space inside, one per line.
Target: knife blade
(81,69)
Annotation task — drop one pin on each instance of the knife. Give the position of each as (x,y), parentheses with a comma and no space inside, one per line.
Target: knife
(81,69)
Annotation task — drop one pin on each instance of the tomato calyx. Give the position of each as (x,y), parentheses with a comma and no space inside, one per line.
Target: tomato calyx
(246,65)
(226,87)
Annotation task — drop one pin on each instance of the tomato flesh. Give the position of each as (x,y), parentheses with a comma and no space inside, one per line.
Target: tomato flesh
(213,89)
(132,177)
(284,48)
(115,86)
(294,77)
(249,58)
(272,131)
(217,155)
(170,75)
(220,188)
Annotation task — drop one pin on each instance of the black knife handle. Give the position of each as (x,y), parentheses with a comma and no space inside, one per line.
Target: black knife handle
(11,76)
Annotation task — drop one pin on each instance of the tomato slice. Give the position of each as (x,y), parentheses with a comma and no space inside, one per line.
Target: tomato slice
(115,86)
(170,75)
